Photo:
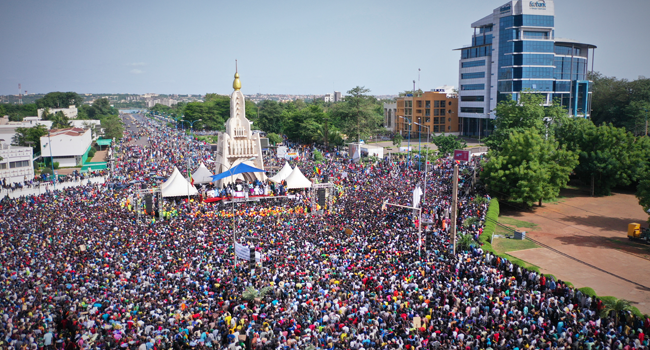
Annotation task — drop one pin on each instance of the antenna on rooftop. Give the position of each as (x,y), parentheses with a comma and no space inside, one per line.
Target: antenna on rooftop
(20,94)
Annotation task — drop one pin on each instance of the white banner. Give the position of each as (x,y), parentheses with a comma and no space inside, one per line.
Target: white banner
(258,257)
(242,251)
(281,151)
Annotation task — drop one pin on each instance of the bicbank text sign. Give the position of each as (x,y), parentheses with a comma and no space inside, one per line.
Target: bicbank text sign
(537,5)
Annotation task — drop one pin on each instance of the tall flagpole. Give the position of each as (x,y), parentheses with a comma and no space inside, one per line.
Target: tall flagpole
(454,207)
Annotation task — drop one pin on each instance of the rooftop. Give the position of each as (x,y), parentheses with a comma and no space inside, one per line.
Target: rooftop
(68,132)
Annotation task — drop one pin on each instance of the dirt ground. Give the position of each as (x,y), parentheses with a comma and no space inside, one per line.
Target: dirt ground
(100,156)
(589,244)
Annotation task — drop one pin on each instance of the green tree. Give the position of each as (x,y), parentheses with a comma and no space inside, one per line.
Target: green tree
(113,127)
(617,306)
(272,119)
(608,156)
(643,192)
(448,143)
(60,121)
(60,100)
(30,136)
(361,116)
(397,140)
(274,138)
(528,168)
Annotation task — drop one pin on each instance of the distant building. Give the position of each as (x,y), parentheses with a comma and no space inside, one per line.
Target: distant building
(390,116)
(17,162)
(69,146)
(337,96)
(432,112)
(514,51)
(70,112)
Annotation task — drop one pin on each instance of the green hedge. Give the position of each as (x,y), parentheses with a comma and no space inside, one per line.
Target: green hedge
(491,219)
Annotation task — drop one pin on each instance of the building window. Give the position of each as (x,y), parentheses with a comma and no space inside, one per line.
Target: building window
(435,120)
(535,35)
(418,111)
(427,104)
(419,104)
(427,112)
(442,112)
(474,75)
(449,111)
(472,87)
(19,164)
(449,127)
(436,112)
(473,64)
(472,98)
(3,166)
(435,128)
(449,104)
(427,120)
(436,104)
(471,109)
(442,104)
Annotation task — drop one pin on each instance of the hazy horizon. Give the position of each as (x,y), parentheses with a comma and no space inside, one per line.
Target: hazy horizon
(291,47)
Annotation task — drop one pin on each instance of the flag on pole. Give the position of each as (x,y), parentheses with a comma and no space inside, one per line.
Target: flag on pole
(191,178)
(417,194)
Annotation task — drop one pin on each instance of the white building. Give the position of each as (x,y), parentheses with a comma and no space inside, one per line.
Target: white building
(70,112)
(238,144)
(390,116)
(17,162)
(8,129)
(69,146)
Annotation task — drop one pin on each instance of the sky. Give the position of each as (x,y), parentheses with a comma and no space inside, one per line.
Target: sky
(282,47)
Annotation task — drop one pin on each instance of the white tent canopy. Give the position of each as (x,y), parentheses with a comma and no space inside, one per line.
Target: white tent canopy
(282,174)
(170,179)
(297,180)
(202,175)
(176,186)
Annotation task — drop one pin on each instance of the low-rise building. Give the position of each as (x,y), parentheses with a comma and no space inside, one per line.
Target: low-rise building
(431,112)
(17,162)
(68,147)
(70,112)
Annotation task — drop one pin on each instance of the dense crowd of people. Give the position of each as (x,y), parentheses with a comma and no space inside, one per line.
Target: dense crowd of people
(80,269)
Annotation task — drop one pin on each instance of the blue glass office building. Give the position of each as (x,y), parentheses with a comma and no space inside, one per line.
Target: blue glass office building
(515,50)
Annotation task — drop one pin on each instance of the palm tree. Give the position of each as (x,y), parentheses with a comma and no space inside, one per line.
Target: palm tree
(251,294)
(616,305)
(465,241)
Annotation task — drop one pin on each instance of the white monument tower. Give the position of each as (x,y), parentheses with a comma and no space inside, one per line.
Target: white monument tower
(238,144)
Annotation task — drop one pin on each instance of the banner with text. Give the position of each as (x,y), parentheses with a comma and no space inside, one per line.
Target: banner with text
(242,251)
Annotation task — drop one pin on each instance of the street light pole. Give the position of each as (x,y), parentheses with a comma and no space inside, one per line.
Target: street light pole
(383,207)
(232,199)
(426,162)
(49,138)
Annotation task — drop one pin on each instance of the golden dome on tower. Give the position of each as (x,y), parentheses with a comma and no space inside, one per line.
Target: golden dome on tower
(236,84)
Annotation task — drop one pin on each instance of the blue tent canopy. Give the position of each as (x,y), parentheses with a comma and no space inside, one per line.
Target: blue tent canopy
(237,169)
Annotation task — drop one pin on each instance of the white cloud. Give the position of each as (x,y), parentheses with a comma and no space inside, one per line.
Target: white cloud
(136,71)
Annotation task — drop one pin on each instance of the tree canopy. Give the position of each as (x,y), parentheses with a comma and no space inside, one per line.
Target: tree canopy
(608,156)
(60,100)
(528,168)
(620,102)
(24,136)
(113,127)
(447,144)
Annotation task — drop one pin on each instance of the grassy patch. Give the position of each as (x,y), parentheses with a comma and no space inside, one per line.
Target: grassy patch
(588,291)
(517,223)
(557,200)
(504,245)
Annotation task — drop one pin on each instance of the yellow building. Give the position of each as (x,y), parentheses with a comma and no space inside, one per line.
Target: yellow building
(433,112)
